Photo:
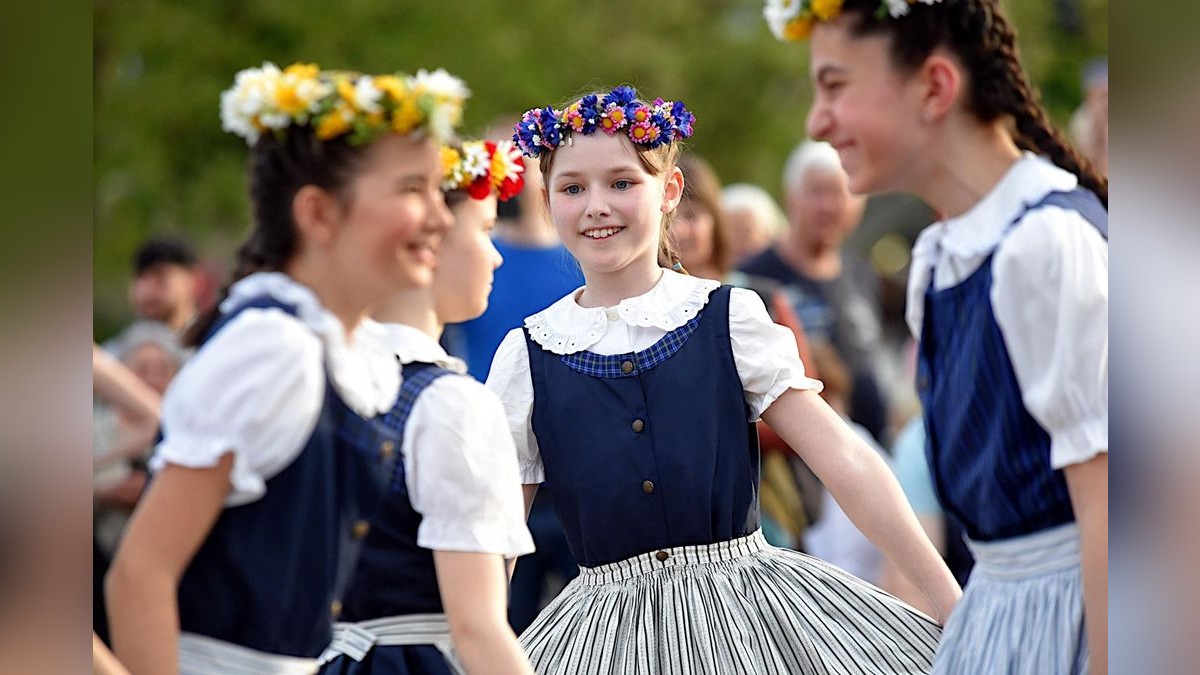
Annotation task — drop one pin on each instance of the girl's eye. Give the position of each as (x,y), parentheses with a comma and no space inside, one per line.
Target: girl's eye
(572,189)
(622,184)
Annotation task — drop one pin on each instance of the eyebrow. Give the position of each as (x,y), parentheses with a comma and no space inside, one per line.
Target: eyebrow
(828,69)
(624,168)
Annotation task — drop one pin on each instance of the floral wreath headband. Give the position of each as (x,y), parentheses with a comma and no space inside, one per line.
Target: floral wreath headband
(483,168)
(341,103)
(649,124)
(793,20)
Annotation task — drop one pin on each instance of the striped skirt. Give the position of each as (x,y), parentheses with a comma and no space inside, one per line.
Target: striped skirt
(1022,610)
(740,606)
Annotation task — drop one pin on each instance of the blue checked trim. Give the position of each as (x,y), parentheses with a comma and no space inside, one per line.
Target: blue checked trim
(613,366)
(396,419)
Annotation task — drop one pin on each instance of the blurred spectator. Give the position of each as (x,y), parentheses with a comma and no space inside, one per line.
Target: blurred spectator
(755,221)
(699,229)
(833,291)
(1089,123)
(163,288)
(124,425)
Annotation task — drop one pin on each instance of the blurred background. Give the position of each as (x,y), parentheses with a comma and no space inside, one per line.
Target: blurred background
(163,166)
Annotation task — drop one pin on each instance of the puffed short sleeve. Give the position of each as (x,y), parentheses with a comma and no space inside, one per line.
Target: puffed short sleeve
(765,353)
(511,381)
(461,471)
(254,389)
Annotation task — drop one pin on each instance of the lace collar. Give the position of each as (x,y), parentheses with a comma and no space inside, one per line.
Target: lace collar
(567,328)
(412,345)
(363,370)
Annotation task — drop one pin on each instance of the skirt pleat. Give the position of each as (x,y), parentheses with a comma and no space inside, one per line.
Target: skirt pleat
(733,607)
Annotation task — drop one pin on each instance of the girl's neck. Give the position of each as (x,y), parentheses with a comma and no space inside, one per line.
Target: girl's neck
(412,308)
(344,303)
(973,160)
(605,289)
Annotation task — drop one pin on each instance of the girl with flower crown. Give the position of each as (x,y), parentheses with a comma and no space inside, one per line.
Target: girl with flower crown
(1009,299)
(634,399)
(271,446)
(428,593)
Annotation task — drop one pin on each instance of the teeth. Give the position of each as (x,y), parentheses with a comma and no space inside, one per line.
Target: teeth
(602,232)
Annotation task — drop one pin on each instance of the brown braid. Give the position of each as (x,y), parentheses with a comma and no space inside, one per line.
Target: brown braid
(979,34)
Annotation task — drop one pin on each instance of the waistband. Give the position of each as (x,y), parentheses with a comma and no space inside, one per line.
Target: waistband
(355,640)
(203,655)
(676,556)
(1051,550)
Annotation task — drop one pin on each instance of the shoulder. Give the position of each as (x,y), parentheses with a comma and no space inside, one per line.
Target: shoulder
(257,335)
(1048,237)
(461,395)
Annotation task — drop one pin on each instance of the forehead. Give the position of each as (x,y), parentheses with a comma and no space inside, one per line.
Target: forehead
(834,49)
(596,153)
(399,152)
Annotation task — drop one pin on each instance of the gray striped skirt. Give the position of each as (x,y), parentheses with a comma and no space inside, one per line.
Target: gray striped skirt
(740,606)
(1022,610)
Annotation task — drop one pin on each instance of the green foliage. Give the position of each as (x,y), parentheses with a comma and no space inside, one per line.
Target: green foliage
(162,163)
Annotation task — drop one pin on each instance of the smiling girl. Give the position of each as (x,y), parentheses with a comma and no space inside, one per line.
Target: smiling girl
(634,399)
(269,448)
(1009,298)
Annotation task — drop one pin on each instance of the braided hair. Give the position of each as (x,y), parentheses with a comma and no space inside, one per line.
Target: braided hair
(978,33)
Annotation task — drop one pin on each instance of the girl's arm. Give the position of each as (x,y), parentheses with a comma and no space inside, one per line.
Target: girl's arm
(141,588)
(474,590)
(865,488)
(1088,485)
(103,661)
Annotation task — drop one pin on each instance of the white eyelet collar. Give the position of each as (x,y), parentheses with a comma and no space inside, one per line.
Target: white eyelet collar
(566,328)
(363,371)
(412,345)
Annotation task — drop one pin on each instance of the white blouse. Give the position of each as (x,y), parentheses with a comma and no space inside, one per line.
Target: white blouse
(764,352)
(459,461)
(256,388)
(1049,296)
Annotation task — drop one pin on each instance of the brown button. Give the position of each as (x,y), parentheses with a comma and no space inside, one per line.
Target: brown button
(638,425)
(387,449)
(647,487)
(662,555)
(360,529)
(335,608)
(627,367)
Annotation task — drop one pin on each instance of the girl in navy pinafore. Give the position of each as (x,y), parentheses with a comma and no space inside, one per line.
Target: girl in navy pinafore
(272,454)
(634,399)
(1008,296)
(431,569)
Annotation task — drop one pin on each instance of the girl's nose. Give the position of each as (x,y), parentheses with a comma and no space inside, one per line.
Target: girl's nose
(819,121)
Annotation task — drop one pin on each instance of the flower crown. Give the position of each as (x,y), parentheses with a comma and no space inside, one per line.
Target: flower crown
(483,168)
(649,124)
(792,20)
(337,103)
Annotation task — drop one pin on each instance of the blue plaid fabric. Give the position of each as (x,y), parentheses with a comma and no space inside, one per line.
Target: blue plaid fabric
(417,376)
(635,363)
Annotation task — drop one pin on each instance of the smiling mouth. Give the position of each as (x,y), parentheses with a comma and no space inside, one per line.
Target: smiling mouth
(601,232)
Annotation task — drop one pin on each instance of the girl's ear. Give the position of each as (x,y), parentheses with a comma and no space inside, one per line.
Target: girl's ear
(673,191)
(317,214)
(941,82)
